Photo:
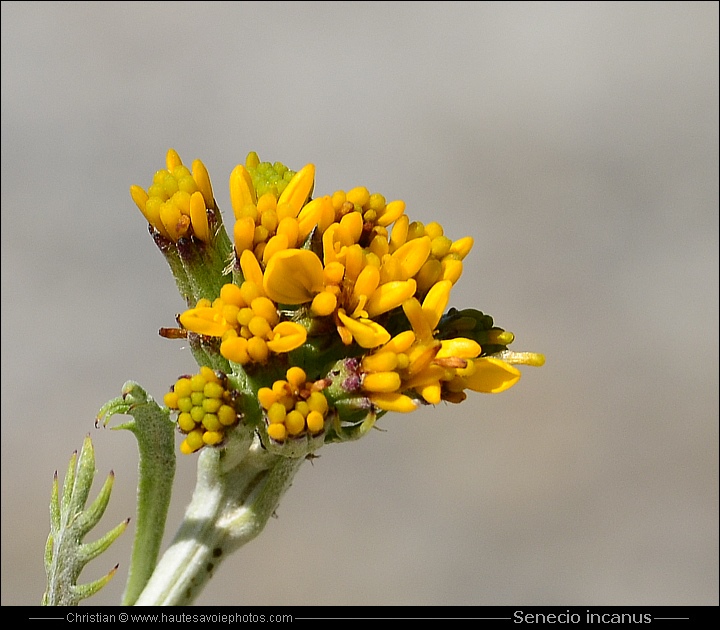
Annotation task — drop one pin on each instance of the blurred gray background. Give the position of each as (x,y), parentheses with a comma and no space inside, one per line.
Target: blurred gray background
(578,144)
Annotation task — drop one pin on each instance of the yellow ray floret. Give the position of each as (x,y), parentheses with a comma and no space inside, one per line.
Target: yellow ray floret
(366,332)
(242,192)
(298,189)
(293,276)
(491,376)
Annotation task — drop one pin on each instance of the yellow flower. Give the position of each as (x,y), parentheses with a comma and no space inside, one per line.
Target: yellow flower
(246,320)
(178,201)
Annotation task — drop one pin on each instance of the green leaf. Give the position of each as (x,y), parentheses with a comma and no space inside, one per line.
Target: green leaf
(65,553)
(155,432)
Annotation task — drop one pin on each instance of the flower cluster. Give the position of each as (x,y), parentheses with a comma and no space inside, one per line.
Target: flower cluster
(205,408)
(246,320)
(293,407)
(176,203)
(340,293)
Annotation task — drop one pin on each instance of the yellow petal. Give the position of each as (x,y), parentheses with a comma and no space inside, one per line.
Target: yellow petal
(198,217)
(152,214)
(389,296)
(293,276)
(202,179)
(173,220)
(412,255)
(287,336)
(394,402)
(431,393)
(251,268)
(351,227)
(429,375)
(417,319)
(354,261)
(382,361)
(242,192)
(298,189)
(435,301)
(399,233)
(458,347)
(381,382)
(393,211)
(462,246)
(244,234)
(204,321)
(428,275)
(324,303)
(365,332)
(492,376)
(318,212)
(367,281)
(328,239)
(172,160)
(420,357)
(400,342)
(276,244)
(451,269)
(140,197)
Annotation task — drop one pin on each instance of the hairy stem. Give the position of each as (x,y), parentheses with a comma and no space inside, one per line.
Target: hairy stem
(237,491)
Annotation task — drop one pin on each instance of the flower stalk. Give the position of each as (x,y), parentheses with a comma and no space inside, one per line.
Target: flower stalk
(237,491)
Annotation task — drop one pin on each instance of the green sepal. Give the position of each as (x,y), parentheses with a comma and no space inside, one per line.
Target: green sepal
(206,351)
(65,553)
(292,447)
(155,434)
(200,269)
(476,325)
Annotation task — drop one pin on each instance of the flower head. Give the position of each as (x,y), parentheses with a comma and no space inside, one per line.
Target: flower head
(248,323)
(269,203)
(205,407)
(293,406)
(178,201)
(330,310)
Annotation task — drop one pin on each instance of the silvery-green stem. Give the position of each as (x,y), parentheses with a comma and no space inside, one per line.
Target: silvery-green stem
(238,489)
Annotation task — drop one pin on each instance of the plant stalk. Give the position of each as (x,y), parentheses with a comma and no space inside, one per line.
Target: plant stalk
(237,491)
